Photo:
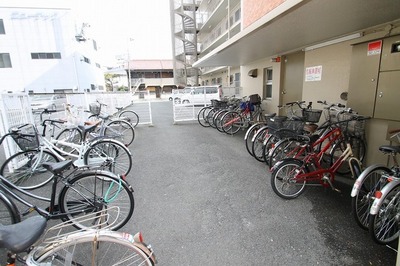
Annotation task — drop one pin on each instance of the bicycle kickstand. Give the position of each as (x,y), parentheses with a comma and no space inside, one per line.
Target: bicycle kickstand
(326,179)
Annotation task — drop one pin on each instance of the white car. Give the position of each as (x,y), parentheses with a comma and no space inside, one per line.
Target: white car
(202,94)
(39,102)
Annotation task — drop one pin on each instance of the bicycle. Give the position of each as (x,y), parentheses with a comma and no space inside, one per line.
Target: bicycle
(276,128)
(290,176)
(25,167)
(120,130)
(251,111)
(58,245)
(371,180)
(126,115)
(383,221)
(83,190)
(292,146)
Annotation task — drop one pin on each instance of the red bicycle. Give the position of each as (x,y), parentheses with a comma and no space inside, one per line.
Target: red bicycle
(290,176)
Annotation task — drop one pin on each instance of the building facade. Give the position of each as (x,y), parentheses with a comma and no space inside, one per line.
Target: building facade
(45,50)
(305,50)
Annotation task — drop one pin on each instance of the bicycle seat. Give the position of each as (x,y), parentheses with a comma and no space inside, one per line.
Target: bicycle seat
(268,116)
(389,149)
(20,236)
(58,167)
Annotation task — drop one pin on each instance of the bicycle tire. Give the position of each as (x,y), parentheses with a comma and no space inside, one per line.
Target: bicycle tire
(250,133)
(120,130)
(258,141)
(109,154)
(384,227)
(280,178)
(201,116)
(8,210)
(24,169)
(371,182)
(216,120)
(130,116)
(232,122)
(359,150)
(284,148)
(93,191)
(92,248)
(210,117)
(73,135)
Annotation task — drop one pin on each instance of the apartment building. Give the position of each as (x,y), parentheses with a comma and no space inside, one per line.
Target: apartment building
(44,49)
(289,50)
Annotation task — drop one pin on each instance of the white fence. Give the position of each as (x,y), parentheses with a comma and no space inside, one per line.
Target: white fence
(15,109)
(188,111)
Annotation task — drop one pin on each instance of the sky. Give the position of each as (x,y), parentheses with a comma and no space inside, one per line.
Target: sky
(142,27)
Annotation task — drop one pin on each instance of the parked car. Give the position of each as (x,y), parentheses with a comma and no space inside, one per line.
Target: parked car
(39,102)
(202,94)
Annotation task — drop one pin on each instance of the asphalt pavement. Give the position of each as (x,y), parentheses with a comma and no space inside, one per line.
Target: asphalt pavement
(201,199)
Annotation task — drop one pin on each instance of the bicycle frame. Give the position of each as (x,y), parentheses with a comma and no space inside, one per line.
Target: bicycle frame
(314,159)
(5,186)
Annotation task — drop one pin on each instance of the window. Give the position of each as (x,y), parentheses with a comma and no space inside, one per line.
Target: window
(5,61)
(2,30)
(46,55)
(237,80)
(268,83)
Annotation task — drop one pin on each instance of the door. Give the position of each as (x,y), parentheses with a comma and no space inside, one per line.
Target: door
(292,77)
(364,72)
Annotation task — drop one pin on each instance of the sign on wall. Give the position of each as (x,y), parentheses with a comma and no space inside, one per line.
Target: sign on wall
(313,73)
(374,48)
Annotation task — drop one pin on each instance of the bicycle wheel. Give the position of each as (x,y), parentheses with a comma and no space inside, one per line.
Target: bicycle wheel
(121,131)
(250,133)
(95,248)
(25,169)
(8,211)
(109,154)
(258,141)
(373,179)
(284,181)
(284,148)
(210,117)
(73,135)
(130,116)
(93,191)
(359,149)
(232,122)
(384,226)
(217,120)
(201,116)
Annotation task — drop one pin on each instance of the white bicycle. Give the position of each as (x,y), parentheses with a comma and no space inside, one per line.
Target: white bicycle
(63,245)
(25,167)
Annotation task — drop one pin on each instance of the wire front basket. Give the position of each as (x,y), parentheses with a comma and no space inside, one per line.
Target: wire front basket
(26,136)
(94,108)
(351,127)
(312,115)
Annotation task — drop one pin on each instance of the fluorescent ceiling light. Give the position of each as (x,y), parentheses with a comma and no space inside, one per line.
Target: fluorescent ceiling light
(338,40)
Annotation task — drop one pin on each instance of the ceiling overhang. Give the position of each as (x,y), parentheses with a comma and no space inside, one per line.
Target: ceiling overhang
(297,24)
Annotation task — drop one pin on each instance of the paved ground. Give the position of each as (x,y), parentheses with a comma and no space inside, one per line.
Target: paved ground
(201,199)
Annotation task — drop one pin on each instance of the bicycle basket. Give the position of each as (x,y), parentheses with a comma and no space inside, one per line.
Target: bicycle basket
(295,125)
(94,108)
(352,127)
(312,115)
(27,137)
(255,99)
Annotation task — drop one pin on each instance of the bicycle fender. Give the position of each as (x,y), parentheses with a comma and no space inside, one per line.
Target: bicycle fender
(285,160)
(376,205)
(360,179)
(254,137)
(250,128)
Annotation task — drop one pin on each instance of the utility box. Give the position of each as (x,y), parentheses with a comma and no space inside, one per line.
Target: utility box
(375,79)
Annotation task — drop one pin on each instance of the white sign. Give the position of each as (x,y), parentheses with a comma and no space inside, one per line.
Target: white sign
(313,73)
